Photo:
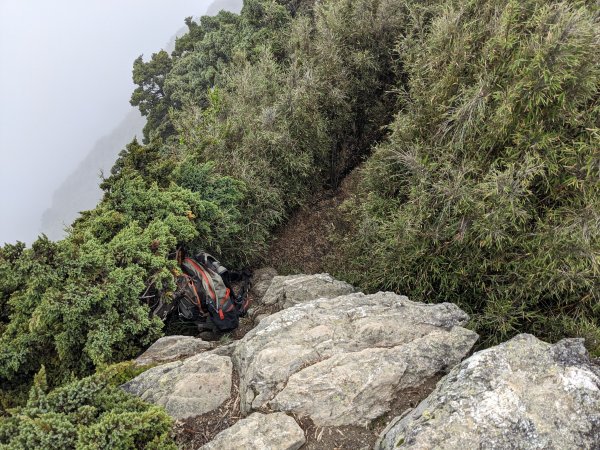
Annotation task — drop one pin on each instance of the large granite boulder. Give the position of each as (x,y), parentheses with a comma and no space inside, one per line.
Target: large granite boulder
(286,291)
(258,431)
(523,394)
(187,388)
(343,361)
(173,348)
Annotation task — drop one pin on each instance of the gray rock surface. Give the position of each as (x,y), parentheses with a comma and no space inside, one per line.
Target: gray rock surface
(357,387)
(260,317)
(173,348)
(286,291)
(261,280)
(523,394)
(258,431)
(225,350)
(187,388)
(342,361)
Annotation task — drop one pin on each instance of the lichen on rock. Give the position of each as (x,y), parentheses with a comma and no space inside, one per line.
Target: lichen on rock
(187,388)
(287,291)
(524,393)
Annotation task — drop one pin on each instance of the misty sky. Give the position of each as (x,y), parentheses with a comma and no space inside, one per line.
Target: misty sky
(65,81)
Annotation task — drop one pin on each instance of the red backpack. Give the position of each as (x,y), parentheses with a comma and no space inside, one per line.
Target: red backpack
(204,293)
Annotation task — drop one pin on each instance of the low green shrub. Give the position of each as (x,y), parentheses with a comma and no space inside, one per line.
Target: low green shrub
(87,414)
(74,305)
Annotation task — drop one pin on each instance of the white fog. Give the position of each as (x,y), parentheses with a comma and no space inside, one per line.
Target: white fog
(65,83)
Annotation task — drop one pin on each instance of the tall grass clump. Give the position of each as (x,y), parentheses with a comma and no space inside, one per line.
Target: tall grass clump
(487,192)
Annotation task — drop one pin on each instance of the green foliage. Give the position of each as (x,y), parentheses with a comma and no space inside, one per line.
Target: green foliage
(300,104)
(199,59)
(200,56)
(257,130)
(314,79)
(150,94)
(248,117)
(243,126)
(355,67)
(487,194)
(74,305)
(91,413)
(120,373)
(483,189)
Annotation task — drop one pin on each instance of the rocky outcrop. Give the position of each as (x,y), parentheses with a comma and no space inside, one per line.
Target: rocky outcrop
(187,388)
(258,432)
(173,348)
(287,291)
(357,387)
(338,362)
(524,393)
(261,280)
(342,361)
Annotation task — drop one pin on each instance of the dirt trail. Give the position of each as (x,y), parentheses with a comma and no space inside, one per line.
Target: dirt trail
(301,245)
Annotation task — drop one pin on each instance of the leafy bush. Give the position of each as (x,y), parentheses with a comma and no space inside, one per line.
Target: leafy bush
(91,413)
(243,126)
(487,193)
(290,116)
(74,305)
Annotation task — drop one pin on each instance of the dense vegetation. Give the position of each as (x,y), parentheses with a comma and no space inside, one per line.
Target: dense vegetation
(243,124)
(487,193)
(483,188)
(86,414)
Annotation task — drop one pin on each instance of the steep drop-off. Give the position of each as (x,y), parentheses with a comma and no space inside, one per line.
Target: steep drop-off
(80,189)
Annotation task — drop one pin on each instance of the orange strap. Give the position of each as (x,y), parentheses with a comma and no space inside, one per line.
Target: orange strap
(206,280)
(198,301)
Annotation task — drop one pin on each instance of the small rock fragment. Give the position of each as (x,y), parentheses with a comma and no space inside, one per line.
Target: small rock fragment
(187,388)
(260,432)
(172,348)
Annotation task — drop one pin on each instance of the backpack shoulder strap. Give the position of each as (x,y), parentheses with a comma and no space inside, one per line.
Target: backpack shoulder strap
(199,272)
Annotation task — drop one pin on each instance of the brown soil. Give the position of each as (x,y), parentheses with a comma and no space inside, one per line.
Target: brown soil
(358,438)
(302,244)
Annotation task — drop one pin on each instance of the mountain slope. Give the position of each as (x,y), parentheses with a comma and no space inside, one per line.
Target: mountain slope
(80,190)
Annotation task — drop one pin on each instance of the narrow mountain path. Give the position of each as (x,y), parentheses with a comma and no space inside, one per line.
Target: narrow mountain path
(303,242)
